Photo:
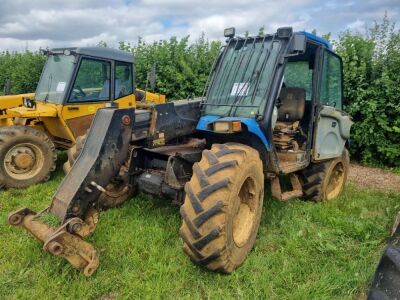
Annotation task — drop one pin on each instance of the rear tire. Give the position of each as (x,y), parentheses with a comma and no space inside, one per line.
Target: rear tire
(325,180)
(27,156)
(222,209)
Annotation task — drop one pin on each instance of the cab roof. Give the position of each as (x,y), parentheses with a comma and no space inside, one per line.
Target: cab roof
(99,52)
(317,39)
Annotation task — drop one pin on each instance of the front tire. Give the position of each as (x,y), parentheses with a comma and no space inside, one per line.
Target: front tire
(27,156)
(222,209)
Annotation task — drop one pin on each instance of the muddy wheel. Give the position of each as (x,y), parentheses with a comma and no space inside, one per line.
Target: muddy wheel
(116,193)
(74,152)
(27,156)
(222,208)
(326,180)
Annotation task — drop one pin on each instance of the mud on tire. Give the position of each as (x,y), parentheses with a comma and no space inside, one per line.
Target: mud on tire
(222,208)
(74,152)
(27,156)
(325,180)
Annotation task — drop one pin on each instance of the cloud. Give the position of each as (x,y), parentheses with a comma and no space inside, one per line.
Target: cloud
(58,23)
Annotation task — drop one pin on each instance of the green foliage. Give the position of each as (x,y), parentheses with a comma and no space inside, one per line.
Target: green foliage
(22,69)
(371,77)
(372,90)
(182,68)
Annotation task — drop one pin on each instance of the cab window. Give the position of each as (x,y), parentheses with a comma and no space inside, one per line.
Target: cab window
(331,81)
(92,82)
(298,74)
(123,79)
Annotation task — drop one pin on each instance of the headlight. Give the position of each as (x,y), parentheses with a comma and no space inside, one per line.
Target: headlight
(222,126)
(227,126)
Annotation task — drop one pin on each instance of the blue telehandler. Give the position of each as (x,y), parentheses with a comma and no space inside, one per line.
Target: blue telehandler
(271,113)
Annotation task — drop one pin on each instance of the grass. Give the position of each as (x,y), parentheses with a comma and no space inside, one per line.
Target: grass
(304,251)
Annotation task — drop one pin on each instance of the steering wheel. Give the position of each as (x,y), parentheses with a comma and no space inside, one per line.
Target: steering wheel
(78,92)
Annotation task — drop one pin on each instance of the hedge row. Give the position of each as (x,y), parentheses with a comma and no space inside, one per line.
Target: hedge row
(371,68)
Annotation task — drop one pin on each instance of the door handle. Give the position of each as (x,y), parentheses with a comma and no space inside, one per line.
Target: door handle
(73,108)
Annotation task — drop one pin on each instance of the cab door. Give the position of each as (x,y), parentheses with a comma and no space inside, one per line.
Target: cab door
(332,126)
(90,91)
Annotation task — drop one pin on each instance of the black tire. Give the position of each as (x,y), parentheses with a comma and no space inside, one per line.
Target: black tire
(222,208)
(74,152)
(325,180)
(27,156)
(386,281)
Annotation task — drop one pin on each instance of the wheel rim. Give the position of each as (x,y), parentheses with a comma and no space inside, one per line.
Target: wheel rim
(244,219)
(336,181)
(23,161)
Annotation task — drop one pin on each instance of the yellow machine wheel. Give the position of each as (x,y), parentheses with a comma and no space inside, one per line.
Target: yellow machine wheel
(325,180)
(222,209)
(27,156)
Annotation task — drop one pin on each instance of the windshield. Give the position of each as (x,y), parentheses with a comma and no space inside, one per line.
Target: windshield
(55,78)
(240,84)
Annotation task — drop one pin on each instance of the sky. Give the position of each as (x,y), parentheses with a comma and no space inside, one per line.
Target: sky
(38,24)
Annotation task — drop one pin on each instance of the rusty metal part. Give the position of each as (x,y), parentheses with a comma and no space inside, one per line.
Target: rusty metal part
(59,241)
(87,227)
(276,189)
(126,120)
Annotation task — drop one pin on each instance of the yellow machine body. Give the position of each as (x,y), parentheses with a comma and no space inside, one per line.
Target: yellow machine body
(63,122)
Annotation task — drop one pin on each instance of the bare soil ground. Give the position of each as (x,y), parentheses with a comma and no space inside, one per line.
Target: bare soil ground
(374,178)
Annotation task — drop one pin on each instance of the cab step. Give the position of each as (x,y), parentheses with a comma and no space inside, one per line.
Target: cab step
(276,189)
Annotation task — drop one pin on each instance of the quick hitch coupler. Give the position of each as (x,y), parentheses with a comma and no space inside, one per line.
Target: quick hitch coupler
(66,240)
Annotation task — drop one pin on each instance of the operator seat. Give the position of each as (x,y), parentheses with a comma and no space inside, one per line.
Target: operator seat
(291,105)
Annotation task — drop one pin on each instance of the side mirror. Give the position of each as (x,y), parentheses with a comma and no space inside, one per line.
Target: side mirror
(298,43)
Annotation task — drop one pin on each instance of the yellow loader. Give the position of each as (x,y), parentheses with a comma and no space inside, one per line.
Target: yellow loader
(74,84)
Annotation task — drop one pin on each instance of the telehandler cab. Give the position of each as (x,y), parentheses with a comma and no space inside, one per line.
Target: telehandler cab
(74,84)
(272,109)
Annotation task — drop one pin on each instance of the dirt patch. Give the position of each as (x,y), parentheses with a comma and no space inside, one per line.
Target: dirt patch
(374,178)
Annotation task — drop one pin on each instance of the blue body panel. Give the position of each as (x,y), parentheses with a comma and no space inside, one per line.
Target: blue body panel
(317,39)
(251,124)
